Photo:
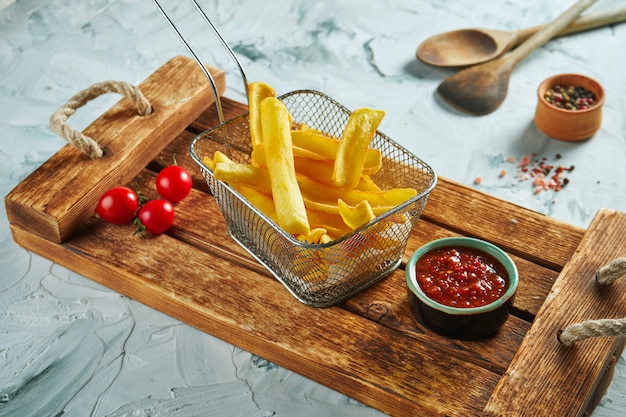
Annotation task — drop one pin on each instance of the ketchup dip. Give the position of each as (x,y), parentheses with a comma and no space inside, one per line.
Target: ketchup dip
(461,277)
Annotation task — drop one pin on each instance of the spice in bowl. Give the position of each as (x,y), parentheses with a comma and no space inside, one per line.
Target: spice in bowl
(570,97)
(461,287)
(569,107)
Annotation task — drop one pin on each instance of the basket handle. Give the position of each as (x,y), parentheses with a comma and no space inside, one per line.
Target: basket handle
(85,144)
(207,21)
(576,332)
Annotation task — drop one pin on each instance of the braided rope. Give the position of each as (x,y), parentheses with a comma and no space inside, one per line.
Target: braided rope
(608,274)
(85,144)
(603,327)
(591,328)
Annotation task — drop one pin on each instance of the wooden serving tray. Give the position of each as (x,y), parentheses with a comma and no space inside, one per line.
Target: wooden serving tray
(368,347)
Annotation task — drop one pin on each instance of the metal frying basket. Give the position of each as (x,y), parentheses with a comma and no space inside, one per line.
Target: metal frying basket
(318,275)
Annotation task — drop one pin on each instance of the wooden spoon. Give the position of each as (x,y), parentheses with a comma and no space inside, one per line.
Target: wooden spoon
(464,47)
(482,88)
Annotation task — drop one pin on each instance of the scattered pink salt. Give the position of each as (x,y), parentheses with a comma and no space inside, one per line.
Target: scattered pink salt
(524,162)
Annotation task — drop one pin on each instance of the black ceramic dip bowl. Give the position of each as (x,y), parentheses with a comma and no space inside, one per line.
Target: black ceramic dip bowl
(461,287)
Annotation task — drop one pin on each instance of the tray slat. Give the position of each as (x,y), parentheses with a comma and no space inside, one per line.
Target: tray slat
(61,195)
(368,347)
(563,379)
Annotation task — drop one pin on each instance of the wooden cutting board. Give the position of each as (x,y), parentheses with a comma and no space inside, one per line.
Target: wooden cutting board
(369,347)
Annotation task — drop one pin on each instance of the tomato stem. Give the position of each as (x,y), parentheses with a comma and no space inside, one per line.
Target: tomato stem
(142,198)
(140,229)
(165,163)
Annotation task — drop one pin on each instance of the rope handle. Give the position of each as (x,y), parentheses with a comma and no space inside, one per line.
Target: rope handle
(576,332)
(83,143)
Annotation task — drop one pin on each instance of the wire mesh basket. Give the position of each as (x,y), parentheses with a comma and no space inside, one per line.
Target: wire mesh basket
(319,275)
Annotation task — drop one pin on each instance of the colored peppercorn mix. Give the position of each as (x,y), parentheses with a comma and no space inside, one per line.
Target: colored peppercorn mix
(570,97)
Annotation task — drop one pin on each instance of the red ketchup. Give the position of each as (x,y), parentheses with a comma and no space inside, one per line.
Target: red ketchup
(461,277)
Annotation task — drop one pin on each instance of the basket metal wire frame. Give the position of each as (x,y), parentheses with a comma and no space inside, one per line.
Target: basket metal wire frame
(319,275)
(218,102)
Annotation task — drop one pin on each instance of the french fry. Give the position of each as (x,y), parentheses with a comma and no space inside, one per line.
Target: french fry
(210,163)
(316,142)
(260,200)
(316,145)
(314,186)
(333,223)
(313,269)
(326,239)
(304,126)
(319,171)
(217,157)
(276,129)
(322,197)
(316,196)
(259,159)
(356,216)
(257,92)
(393,197)
(314,237)
(353,145)
(235,173)
(220,157)
(366,183)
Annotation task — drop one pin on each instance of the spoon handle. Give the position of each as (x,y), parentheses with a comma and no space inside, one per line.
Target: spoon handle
(549,31)
(583,23)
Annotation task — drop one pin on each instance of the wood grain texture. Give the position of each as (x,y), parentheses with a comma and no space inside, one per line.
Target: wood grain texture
(536,237)
(62,194)
(564,378)
(369,347)
(368,362)
(385,303)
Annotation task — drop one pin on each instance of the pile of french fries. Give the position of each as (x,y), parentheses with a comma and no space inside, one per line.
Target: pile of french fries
(314,186)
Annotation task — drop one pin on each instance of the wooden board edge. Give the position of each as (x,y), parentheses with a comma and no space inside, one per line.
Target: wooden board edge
(607,377)
(546,378)
(61,194)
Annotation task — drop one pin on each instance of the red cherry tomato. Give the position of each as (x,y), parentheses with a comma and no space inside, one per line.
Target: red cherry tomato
(118,205)
(156,216)
(173,183)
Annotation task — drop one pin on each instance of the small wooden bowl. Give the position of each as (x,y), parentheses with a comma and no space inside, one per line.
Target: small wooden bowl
(569,125)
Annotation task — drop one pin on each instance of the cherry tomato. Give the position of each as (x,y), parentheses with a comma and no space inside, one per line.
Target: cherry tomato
(156,216)
(173,183)
(118,205)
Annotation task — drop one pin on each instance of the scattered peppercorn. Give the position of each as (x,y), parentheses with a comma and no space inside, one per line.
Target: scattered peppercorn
(539,171)
(543,175)
(570,97)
